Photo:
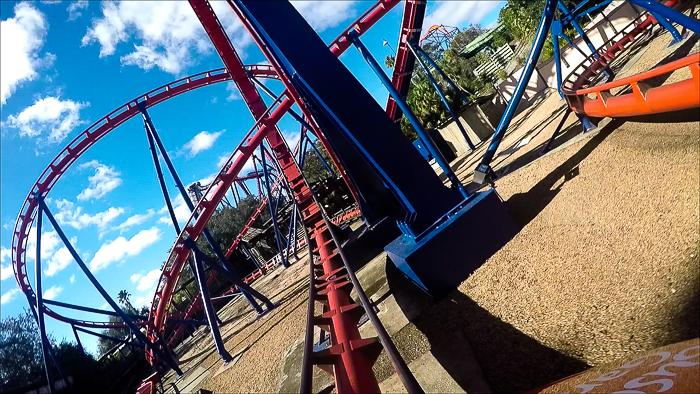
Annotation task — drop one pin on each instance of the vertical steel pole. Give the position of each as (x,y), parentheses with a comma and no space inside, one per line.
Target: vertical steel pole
(355,39)
(209,310)
(249,254)
(484,171)
(50,349)
(40,301)
(556,29)
(139,335)
(272,211)
(442,95)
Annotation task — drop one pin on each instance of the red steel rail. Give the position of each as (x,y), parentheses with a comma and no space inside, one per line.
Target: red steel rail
(413,13)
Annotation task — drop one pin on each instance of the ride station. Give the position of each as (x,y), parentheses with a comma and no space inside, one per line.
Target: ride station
(406,198)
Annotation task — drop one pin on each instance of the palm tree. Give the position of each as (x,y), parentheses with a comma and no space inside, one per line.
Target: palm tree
(123,298)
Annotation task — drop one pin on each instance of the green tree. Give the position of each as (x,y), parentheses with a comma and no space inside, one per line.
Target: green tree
(314,170)
(20,351)
(21,357)
(123,298)
(389,61)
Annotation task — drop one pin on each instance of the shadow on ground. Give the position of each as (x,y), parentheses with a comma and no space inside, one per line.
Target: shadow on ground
(511,361)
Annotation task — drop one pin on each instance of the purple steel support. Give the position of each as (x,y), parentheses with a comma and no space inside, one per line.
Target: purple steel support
(285,263)
(209,310)
(45,345)
(111,338)
(139,335)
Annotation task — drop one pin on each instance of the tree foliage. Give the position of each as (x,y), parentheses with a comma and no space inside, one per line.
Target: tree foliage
(21,360)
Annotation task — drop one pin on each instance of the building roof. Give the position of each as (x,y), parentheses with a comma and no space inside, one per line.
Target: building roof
(480,42)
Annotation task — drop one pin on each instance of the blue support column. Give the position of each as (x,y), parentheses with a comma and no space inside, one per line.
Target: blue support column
(556,31)
(444,76)
(557,130)
(45,345)
(483,172)
(449,108)
(210,239)
(85,356)
(92,310)
(355,39)
(242,286)
(209,310)
(141,337)
(272,211)
(50,349)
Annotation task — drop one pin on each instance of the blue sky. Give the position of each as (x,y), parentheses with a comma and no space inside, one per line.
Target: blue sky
(67,64)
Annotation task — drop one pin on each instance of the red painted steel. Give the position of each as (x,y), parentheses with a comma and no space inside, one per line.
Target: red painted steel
(403,65)
(362,24)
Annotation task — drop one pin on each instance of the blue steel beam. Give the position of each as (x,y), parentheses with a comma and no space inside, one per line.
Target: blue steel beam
(444,76)
(110,338)
(669,13)
(50,349)
(272,211)
(484,172)
(139,335)
(355,39)
(449,108)
(209,310)
(92,310)
(45,345)
(210,239)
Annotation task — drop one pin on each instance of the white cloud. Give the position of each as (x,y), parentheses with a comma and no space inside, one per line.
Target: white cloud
(104,306)
(201,142)
(149,281)
(72,278)
(9,296)
(49,243)
(168,33)
(135,278)
(141,301)
(49,115)
(4,253)
(6,271)
(165,220)
(459,13)
(247,167)
(120,248)
(291,138)
(74,9)
(135,220)
(71,216)
(105,180)
(322,15)
(20,42)
(52,292)
(60,260)
(234,93)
